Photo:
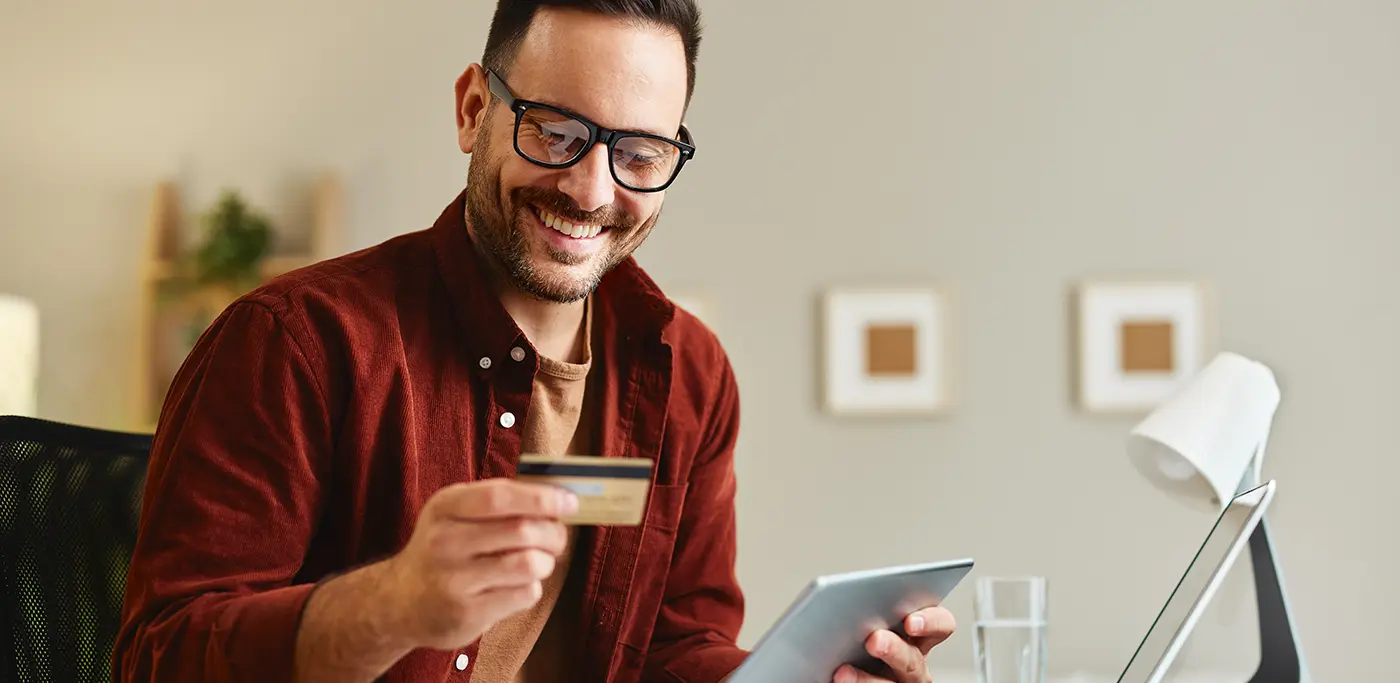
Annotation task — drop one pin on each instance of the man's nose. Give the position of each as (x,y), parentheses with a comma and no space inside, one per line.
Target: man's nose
(589,182)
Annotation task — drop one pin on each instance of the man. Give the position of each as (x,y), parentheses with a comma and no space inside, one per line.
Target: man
(330,495)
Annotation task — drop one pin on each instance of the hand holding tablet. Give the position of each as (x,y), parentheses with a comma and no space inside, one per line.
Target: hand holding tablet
(901,658)
(859,627)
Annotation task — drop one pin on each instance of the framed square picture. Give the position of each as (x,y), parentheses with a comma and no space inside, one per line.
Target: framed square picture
(1138,341)
(886,351)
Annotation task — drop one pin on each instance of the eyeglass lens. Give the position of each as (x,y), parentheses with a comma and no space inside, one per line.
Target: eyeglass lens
(553,138)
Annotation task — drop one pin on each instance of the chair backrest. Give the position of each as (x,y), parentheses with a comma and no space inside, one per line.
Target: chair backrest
(70,500)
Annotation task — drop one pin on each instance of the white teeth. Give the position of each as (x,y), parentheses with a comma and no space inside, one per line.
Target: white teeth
(567,228)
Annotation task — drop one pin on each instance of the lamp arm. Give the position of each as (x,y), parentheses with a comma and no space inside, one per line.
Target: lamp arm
(1280,650)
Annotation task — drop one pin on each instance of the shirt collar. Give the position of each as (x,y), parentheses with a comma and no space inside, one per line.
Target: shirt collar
(629,304)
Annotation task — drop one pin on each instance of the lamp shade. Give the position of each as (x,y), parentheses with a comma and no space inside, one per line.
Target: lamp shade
(1200,443)
(19,356)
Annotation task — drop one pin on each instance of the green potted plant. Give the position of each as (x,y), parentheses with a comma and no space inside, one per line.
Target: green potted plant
(225,265)
(237,241)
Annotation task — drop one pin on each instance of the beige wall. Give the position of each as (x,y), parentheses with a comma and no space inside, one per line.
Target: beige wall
(1002,148)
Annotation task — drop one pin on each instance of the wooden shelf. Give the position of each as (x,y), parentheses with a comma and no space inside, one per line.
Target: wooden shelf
(168,327)
(160,270)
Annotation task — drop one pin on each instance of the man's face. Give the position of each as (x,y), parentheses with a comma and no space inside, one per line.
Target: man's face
(554,233)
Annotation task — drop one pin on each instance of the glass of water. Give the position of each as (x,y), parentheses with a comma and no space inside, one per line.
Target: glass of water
(1009,640)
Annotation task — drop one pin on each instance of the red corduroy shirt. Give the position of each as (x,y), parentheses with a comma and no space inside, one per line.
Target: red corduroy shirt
(317,414)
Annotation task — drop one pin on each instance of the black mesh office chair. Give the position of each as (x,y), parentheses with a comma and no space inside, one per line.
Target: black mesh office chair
(70,498)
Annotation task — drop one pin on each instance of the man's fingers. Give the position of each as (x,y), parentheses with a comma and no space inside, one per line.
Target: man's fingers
(506,570)
(905,661)
(500,497)
(505,535)
(498,603)
(849,674)
(929,627)
(452,543)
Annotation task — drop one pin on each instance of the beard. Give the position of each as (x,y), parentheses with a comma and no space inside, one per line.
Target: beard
(501,227)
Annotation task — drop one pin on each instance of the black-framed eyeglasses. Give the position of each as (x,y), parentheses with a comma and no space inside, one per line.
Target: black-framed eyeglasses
(557,138)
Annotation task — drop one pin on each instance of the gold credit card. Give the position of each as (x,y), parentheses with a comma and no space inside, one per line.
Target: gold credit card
(611,491)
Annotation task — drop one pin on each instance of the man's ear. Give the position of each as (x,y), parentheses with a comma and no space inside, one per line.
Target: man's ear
(473,101)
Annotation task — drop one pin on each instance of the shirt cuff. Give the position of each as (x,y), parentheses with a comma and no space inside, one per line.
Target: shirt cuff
(257,632)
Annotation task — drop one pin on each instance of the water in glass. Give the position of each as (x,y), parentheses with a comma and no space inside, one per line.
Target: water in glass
(1009,637)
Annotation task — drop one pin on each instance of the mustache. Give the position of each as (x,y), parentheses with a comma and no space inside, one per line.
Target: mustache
(565,207)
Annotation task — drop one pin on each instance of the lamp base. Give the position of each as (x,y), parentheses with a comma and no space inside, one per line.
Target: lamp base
(1280,651)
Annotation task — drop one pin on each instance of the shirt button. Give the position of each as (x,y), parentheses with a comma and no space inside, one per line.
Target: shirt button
(485,363)
(507,420)
(462,661)
(517,353)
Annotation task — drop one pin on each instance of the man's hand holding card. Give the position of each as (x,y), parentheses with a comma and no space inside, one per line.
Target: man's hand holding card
(479,550)
(477,554)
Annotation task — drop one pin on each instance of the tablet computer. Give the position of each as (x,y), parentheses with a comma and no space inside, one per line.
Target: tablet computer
(828,623)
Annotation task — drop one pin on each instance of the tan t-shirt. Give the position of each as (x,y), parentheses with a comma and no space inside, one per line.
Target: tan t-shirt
(520,649)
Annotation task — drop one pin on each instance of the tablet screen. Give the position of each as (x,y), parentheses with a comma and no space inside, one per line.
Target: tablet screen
(1215,557)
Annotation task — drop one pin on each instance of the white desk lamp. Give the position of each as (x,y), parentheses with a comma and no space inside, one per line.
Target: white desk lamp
(1204,445)
(19,356)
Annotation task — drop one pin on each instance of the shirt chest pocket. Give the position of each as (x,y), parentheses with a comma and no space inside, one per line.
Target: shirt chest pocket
(656,545)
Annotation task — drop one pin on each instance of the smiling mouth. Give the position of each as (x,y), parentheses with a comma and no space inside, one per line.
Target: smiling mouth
(577,231)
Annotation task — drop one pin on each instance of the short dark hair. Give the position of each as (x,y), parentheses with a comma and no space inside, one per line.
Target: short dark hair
(512,21)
